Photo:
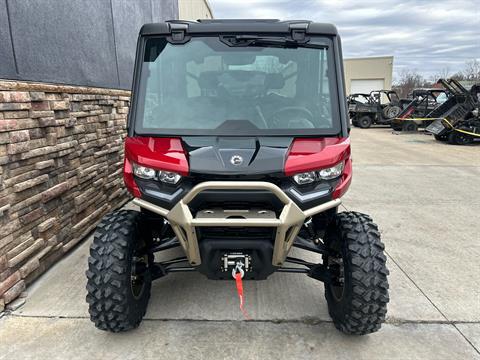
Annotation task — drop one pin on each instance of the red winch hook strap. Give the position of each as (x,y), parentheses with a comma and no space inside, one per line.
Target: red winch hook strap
(239,284)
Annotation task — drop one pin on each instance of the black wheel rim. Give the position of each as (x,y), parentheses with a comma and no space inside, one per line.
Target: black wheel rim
(337,268)
(410,127)
(462,139)
(138,274)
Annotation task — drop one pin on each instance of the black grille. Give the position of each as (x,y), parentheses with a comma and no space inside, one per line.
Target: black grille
(247,233)
(236,200)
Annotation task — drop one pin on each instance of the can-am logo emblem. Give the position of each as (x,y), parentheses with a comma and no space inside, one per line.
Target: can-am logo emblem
(236,160)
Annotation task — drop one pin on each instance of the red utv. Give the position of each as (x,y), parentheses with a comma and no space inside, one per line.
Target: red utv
(237,151)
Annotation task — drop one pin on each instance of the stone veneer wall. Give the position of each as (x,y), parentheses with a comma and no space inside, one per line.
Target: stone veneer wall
(61,154)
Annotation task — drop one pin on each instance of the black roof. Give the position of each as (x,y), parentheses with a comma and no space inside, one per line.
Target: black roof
(383,91)
(428,90)
(360,94)
(239,26)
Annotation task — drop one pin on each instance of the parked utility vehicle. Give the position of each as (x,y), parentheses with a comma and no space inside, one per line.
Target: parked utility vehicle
(415,113)
(238,149)
(457,120)
(380,107)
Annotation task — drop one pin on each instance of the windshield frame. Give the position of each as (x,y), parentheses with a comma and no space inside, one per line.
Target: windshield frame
(336,87)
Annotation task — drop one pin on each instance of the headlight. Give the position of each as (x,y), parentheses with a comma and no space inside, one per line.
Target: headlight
(305,178)
(167,177)
(323,174)
(143,172)
(331,173)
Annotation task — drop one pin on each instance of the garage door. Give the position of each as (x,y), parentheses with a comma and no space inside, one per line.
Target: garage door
(365,85)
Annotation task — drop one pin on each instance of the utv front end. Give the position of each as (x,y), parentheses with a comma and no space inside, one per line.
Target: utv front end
(237,151)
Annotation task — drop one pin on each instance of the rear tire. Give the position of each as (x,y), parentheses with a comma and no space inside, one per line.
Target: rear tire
(458,138)
(119,273)
(365,122)
(359,304)
(409,126)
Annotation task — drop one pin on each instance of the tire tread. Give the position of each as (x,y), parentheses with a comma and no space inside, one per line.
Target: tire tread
(367,309)
(108,274)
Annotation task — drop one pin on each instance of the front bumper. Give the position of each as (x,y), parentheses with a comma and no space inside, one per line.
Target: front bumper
(287,224)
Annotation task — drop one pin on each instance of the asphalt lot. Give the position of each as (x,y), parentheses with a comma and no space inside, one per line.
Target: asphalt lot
(424,196)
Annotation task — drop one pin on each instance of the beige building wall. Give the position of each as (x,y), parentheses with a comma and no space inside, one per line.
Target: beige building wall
(194,9)
(373,70)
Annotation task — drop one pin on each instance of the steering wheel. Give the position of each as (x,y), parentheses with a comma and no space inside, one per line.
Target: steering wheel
(276,120)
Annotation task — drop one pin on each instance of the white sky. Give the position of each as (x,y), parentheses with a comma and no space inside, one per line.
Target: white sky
(423,35)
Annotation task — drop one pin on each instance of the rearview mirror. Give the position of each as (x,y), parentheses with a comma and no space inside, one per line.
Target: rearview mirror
(239,59)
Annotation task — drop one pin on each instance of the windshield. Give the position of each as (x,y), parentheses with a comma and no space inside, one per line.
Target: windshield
(364,99)
(206,87)
(441,98)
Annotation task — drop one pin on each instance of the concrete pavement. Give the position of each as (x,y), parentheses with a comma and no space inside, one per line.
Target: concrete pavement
(419,191)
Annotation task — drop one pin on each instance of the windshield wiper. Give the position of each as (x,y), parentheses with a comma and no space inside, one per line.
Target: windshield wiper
(255,40)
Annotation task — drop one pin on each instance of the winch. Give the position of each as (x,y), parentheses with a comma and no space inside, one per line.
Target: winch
(236,261)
